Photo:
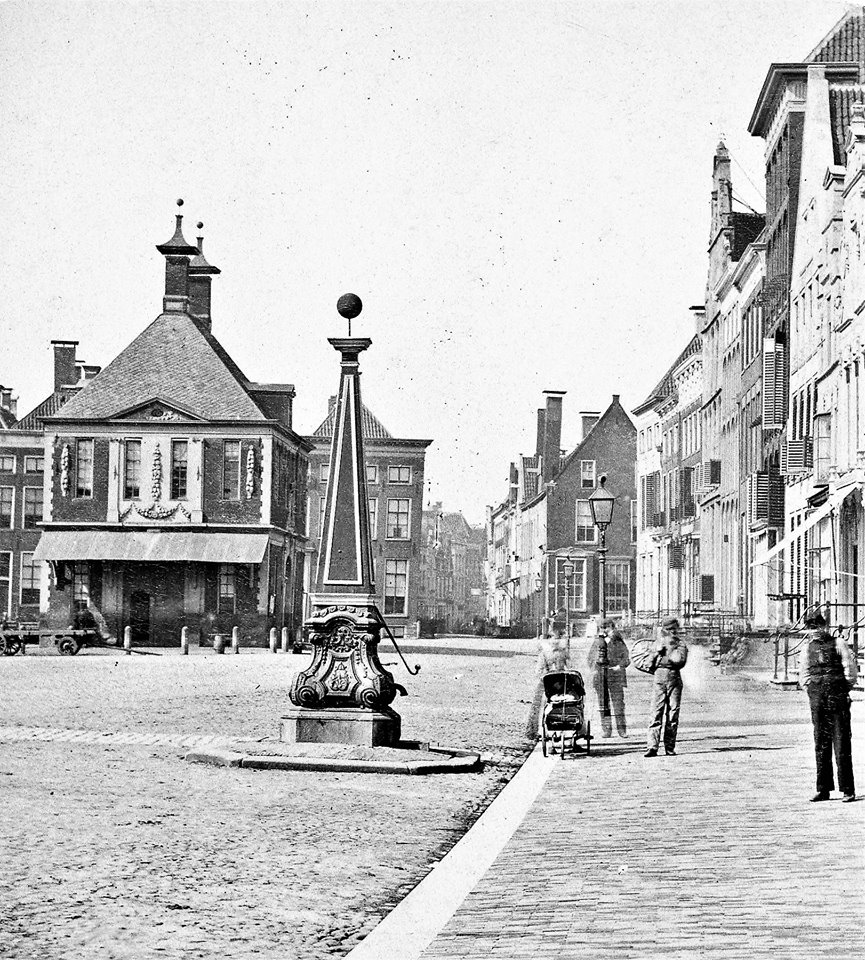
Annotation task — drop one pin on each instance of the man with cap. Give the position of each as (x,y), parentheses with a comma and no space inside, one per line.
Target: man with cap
(608,658)
(670,654)
(827,671)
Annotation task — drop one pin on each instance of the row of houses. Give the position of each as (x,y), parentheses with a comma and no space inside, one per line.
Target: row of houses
(751,448)
(171,490)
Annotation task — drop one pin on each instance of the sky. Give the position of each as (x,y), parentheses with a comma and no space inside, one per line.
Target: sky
(519,193)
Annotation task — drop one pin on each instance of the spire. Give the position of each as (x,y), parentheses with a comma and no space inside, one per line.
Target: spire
(200,273)
(176,252)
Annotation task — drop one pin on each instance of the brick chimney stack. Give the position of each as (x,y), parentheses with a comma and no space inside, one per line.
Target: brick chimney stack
(588,418)
(65,367)
(552,433)
(177,253)
(200,273)
(539,442)
(6,401)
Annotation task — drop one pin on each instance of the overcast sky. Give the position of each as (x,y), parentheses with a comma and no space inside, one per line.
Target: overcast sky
(519,192)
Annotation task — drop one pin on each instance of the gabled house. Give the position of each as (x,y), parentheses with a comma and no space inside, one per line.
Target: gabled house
(175,486)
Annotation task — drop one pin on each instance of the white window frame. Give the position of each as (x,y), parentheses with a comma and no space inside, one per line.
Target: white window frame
(78,444)
(608,568)
(573,606)
(398,466)
(37,568)
(322,507)
(34,469)
(126,443)
(224,472)
(635,519)
(24,507)
(13,458)
(373,517)
(592,473)
(228,574)
(372,473)
(11,507)
(7,607)
(389,560)
(173,446)
(578,526)
(323,471)
(408,520)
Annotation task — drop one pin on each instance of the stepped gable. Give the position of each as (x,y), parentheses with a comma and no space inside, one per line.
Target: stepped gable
(372,427)
(175,360)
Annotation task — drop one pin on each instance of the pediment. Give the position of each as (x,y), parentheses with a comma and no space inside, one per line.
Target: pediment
(157,410)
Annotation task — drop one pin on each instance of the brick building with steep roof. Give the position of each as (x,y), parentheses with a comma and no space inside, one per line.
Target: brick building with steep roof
(395,486)
(175,488)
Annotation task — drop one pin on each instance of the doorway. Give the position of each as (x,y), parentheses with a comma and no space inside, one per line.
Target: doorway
(139,616)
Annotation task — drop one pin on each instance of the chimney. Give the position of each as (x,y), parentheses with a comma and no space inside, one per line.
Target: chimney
(513,483)
(552,432)
(89,371)
(177,253)
(588,418)
(6,401)
(199,274)
(698,312)
(539,442)
(65,368)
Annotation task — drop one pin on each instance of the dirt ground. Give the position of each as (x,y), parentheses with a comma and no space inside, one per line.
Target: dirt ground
(112,845)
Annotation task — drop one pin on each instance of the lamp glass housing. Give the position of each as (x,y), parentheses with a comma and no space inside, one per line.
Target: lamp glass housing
(601,503)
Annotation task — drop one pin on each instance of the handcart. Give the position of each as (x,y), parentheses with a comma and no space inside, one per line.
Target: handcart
(16,635)
(562,720)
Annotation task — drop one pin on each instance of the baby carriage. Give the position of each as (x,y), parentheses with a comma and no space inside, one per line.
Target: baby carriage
(563,715)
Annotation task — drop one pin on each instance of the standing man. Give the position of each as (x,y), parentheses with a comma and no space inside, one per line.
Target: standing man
(608,659)
(670,654)
(827,670)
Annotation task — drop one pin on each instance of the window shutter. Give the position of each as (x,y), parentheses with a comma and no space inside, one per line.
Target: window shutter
(774,385)
(676,556)
(707,588)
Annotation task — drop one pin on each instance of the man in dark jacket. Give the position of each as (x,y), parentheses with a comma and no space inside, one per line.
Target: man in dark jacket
(827,671)
(608,659)
(670,655)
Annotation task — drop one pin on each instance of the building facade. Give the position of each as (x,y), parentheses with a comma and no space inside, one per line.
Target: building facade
(395,486)
(174,491)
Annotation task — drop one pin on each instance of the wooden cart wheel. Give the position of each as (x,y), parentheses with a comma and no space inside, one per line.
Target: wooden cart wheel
(6,647)
(67,646)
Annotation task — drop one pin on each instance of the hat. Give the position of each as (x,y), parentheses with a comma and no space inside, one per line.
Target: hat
(670,623)
(815,619)
(608,622)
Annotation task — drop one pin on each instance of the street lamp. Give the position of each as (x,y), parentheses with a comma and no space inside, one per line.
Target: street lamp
(601,503)
(568,571)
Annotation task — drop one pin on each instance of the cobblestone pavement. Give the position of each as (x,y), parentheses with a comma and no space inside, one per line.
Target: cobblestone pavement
(715,852)
(112,846)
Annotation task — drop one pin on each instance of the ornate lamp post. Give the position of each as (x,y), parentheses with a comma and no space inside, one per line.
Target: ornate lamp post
(568,571)
(601,503)
(344,695)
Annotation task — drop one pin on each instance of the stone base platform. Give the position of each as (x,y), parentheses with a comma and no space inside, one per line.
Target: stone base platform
(354,725)
(406,757)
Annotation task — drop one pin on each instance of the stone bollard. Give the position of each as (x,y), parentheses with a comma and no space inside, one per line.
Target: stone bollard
(127,640)
(272,642)
(285,644)
(219,643)
(235,639)
(184,641)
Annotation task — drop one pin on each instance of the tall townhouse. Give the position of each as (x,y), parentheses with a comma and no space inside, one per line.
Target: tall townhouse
(23,580)
(816,99)
(730,233)
(552,567)
(669,450)
(395,487)
(803,113)
(174,490)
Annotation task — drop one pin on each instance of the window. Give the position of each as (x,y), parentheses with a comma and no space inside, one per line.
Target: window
(32,506)
(371,473)
(29,579)
(5,583)
(587,474)
(618,585)
(179,460)
(373,518)
(572,589)
(323,471)
(84,468)
(322,503)
(7,464)
(231,470)
(80,585)
(132,470)
(398,632)
(227,591)
(7,499)
(399,474)
(585,528)
(395,586)
(634,520)
(34,464)
(398,519)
